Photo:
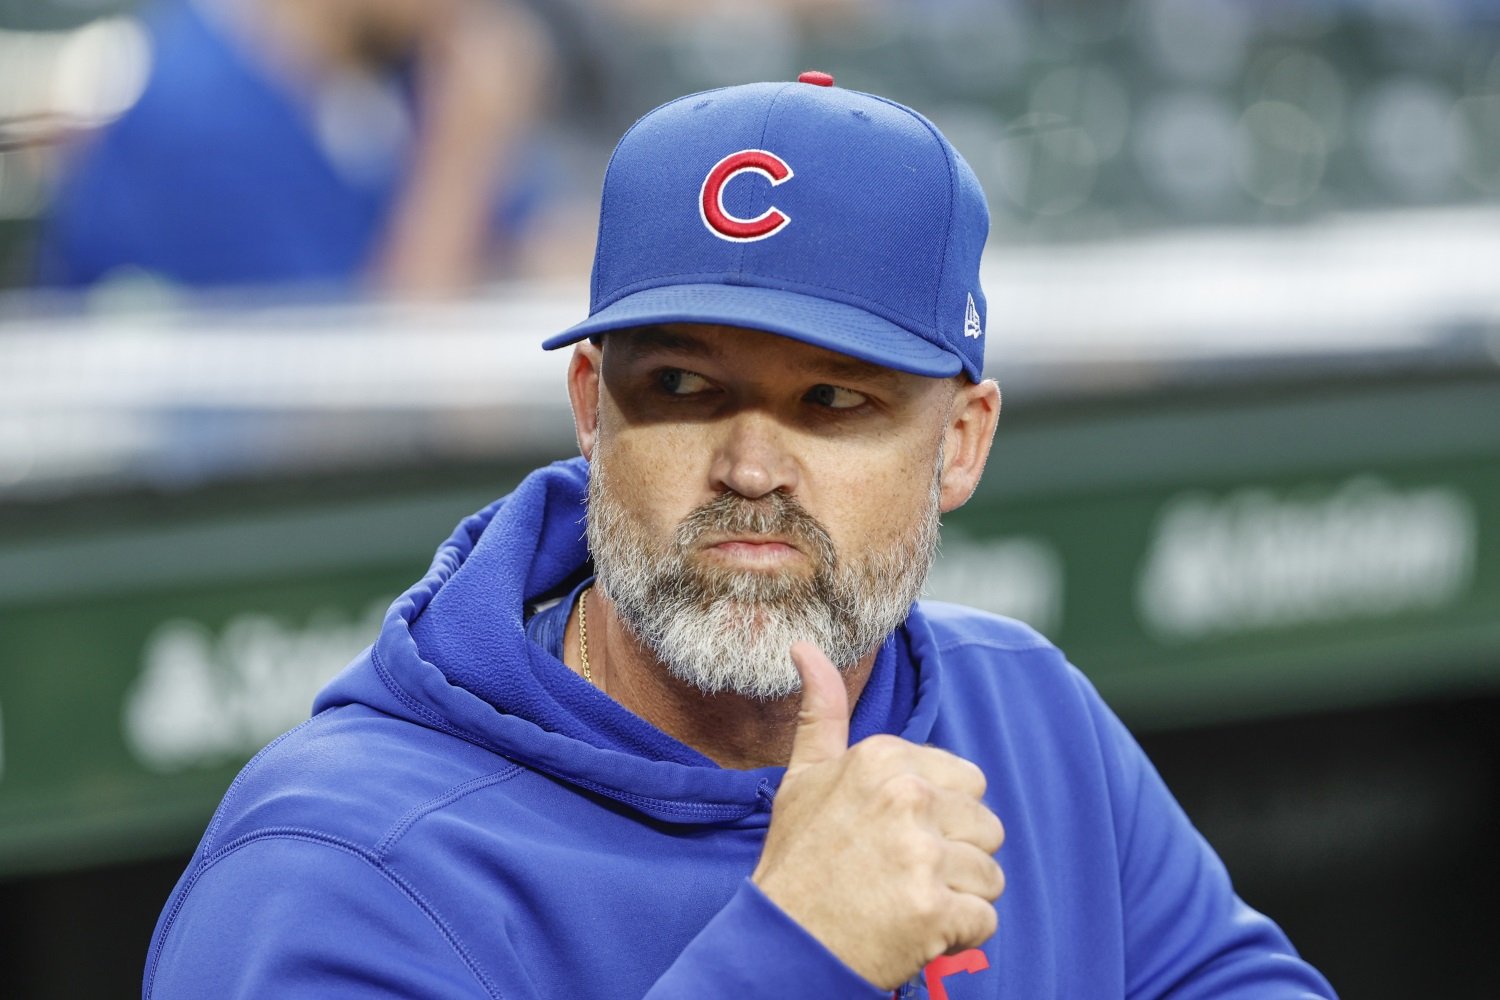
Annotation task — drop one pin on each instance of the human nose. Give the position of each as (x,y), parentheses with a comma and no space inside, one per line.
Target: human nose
(752,458)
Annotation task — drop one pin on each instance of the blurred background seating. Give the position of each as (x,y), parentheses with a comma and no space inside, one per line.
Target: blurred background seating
(1083,120)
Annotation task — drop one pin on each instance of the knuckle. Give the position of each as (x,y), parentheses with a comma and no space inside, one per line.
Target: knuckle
(967,922)
(939,942)
(878,750)
(974,921)
(974,775)
(957,772)
(921,854)
(928,905)
(907,793)
(994,837)
(987,921)
(997,884)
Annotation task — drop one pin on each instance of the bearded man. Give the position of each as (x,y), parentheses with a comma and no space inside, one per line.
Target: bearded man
(707,743)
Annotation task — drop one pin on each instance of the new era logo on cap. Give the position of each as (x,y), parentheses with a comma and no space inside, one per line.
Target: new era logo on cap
(881,263)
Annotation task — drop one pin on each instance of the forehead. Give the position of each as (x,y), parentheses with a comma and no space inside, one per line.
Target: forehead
(749,351)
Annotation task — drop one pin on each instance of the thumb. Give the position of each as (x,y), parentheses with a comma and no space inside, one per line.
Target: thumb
(823,721)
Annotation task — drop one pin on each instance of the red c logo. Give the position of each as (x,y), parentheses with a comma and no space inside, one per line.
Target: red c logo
(711,198)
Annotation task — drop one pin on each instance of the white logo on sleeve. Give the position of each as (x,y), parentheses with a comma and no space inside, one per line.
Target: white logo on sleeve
(972,325)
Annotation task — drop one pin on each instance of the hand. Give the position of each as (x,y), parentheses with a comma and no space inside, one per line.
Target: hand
(884,850)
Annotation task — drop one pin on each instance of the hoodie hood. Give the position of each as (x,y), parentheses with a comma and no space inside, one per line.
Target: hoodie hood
(453,655)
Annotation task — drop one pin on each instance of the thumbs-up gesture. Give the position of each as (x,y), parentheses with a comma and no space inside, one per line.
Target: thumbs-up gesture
(883,851)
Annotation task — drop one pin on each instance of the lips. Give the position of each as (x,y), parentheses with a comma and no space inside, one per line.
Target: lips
(752,540)
(755,550)
(770,531)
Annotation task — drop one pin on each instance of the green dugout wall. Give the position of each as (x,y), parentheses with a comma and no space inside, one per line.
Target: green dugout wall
(1204,556)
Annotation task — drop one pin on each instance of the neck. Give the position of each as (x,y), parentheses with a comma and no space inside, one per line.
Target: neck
(731,730)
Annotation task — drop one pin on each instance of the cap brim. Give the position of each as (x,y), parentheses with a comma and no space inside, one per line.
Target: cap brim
(823,323)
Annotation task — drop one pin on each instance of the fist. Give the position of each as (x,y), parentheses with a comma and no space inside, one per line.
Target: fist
(883,851)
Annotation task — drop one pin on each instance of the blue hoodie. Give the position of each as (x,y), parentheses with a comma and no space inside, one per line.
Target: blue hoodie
(463,816)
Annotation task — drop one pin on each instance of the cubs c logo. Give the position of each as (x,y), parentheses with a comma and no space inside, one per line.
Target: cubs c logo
(711,199)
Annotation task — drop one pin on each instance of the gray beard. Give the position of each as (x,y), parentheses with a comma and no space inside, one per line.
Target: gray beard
(725,630)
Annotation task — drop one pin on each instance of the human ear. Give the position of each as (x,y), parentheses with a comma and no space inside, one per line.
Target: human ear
(967,437)
(583,393)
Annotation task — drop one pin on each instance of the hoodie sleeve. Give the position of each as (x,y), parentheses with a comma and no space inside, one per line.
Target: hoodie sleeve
(296,915)
(1187,935)
(751,948)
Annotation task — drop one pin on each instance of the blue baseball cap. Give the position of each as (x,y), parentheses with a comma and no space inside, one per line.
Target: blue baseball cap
(826,215)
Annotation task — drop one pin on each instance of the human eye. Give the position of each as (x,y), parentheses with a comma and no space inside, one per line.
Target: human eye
(678,382)
(835,397)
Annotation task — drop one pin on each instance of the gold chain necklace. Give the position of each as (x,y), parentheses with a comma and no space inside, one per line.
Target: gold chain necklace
(583,633)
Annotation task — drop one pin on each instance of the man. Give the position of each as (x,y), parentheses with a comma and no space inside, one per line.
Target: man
(713,750)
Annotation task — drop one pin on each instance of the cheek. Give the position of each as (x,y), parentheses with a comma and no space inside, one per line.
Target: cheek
(653,471)
(868,500)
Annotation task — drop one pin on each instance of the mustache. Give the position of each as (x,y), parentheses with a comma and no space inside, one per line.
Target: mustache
(775,513)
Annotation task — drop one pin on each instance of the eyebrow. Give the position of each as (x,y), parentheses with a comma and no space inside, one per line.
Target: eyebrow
(644,340)
(855,370)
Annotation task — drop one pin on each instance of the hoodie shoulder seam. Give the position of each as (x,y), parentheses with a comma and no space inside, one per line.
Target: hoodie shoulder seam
(442,801)
(1036,645)
(239,779)
(335,843)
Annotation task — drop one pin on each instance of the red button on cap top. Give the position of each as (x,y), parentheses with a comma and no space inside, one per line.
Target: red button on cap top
(818,77)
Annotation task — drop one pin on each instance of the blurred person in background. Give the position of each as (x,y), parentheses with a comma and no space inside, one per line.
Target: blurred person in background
(337,143)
